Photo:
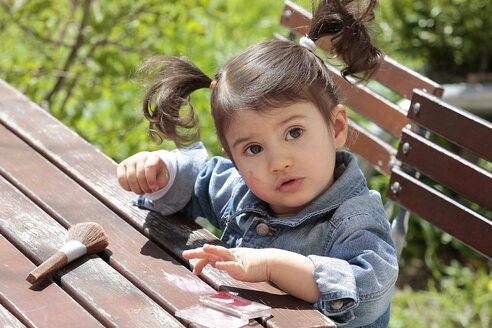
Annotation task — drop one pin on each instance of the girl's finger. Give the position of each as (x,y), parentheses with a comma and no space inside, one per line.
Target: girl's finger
(140,171)
(121,174)
(220,252)
(199,265)
(131,177)
(153,165)
(198,253)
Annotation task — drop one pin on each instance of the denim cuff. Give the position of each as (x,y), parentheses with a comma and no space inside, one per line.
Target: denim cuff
(188,164)
(336,282)
(144,203)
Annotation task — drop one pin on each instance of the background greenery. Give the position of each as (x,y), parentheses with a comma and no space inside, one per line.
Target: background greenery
(78,60)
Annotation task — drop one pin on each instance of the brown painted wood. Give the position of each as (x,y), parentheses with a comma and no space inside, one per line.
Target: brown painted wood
(132,254)
(452,171)
(371,105)
(7,319)
(454,124)
(448,215)
(403,80)
(391,74)
(101,290)
(97,174)
(373,149)
(40,305)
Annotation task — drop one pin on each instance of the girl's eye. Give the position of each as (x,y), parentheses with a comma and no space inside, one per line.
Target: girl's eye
(253,150)
(294,133)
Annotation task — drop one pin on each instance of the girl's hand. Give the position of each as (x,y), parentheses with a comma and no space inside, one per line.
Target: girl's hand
(142,173)
(245,264)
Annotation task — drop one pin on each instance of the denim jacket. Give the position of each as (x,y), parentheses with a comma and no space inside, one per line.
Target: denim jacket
(344,232)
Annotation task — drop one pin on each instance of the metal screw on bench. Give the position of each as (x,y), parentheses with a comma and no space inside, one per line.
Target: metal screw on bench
(396,188)
(287,14)
(391,163)
(416,108)
(406,148)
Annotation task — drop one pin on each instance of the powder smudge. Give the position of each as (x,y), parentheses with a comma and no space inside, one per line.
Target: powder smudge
(191,285)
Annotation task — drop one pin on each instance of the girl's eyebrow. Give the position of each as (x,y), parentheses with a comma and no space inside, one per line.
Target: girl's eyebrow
(282,122)
(290,118)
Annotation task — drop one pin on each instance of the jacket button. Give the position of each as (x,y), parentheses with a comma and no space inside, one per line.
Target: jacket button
(262,229)
(336,304)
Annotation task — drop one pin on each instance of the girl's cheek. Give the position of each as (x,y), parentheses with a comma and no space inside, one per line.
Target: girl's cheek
(251,181)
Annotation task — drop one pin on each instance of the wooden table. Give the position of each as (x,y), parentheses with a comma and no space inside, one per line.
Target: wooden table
(51,179)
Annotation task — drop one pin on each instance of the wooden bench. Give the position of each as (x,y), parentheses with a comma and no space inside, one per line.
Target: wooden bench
(418,156)
(51,179)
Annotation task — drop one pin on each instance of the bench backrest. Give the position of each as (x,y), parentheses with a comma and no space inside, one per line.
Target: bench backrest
(418,158)
(461,181)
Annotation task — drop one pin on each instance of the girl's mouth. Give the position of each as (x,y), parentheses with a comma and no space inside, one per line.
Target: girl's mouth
(290,185)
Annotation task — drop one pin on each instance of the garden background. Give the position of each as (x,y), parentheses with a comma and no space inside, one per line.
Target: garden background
(78,60)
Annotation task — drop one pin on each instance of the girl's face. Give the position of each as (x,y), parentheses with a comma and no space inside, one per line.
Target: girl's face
(286,155)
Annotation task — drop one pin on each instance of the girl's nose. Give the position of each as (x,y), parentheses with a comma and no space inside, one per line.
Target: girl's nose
(279,161)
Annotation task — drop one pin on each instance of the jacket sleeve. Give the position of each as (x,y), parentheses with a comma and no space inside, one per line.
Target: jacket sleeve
(188,163)
(201,187)
(215,186)
(357,277)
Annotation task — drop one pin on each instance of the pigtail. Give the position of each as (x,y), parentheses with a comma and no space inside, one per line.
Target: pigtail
(170,82)
(344,21)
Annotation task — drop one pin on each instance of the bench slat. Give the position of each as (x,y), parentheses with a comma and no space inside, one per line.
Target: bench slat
(43,305)
(391,74)
(454,124)
(403,80)
(96,173)
(371,105)
(444,167)
(371,148)
(89,280)
(448,215)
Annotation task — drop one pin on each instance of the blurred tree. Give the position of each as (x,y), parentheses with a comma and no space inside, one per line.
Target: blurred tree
(78,58)
(451,38)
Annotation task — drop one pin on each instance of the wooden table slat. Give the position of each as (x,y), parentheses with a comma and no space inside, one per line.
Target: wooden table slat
(8,320)
(29,303)
(101,290)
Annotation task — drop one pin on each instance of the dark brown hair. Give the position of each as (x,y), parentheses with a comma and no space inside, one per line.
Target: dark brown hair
(266,75)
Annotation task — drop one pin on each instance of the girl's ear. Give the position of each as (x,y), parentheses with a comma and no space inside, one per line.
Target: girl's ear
(225,153)
(340,125)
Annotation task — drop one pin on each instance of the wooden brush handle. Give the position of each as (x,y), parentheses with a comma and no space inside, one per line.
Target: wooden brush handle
(55,262)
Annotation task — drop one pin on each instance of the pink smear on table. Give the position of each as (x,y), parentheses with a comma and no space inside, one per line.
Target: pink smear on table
(193,285)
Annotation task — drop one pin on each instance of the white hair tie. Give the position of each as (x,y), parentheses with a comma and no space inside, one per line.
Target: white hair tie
(308,43)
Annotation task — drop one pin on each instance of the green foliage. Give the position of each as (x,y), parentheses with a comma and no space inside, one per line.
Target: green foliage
(78,59)
(462,300)
(449,36)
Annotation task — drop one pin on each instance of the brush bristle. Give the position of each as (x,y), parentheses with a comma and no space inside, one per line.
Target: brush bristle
(91,234)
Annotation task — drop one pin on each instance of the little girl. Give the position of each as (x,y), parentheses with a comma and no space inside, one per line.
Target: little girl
(293,210)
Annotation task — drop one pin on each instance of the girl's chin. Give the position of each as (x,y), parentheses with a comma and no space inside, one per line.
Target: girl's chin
(284,211)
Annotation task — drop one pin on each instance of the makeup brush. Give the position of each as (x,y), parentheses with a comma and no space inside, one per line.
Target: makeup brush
(82,238)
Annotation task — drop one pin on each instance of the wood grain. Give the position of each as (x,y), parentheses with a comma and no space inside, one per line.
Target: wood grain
(89,280)
(41,305)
